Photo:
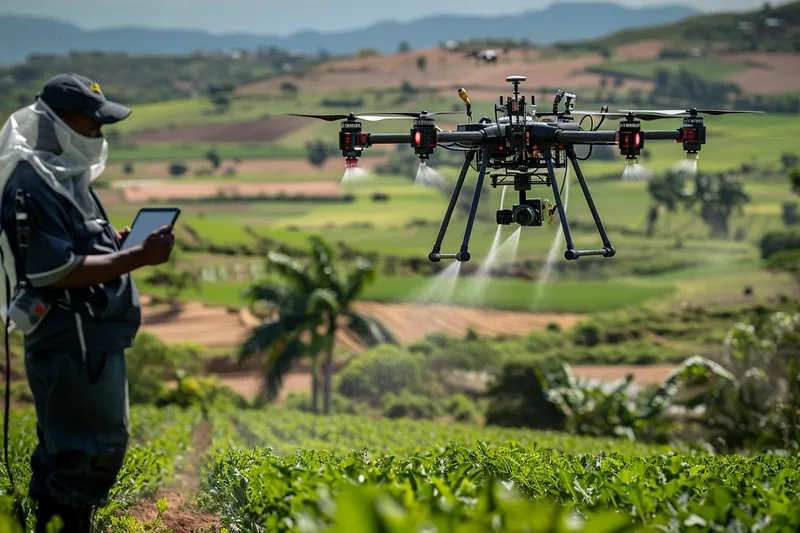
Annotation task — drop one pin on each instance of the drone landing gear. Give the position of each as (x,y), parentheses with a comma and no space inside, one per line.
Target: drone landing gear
(463,255)
(572,253)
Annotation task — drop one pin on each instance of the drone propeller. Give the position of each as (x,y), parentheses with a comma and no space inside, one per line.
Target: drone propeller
(372,117)
(680,113)
(422,114)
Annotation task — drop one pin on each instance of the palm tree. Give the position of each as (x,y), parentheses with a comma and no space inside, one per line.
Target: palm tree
(302,316)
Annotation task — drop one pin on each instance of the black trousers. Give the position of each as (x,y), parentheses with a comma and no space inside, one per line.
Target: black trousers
(82,424)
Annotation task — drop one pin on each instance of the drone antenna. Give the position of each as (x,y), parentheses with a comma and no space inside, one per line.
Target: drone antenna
(463,94)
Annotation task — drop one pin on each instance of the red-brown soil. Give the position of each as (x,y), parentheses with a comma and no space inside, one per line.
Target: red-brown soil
(180,516)
(780,72)
(219,327)
(446,71)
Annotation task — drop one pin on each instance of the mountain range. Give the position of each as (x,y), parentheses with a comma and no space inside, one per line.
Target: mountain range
(21,36)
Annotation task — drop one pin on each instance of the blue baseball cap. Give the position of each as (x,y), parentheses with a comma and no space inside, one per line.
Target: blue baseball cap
(73,92)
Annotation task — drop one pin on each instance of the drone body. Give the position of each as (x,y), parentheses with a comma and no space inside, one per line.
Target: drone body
(523,148)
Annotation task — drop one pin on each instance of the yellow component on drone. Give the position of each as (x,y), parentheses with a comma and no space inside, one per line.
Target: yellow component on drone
(463,94)
(550,211)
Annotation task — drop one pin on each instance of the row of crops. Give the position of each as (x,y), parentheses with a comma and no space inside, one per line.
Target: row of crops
(277,470)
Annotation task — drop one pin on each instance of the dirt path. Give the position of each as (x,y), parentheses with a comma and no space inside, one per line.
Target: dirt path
(180,517)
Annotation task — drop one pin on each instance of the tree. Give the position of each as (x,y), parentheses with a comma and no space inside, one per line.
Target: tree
(665,191)
(403,47)
(794,180)
(421,62)
(301,317)
(787,262)
(718,196)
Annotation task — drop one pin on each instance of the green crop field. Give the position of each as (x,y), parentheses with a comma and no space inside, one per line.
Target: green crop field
(290,471)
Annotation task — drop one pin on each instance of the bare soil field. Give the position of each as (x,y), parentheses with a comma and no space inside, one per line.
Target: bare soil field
(221,327)
(164,191)
(267,130)
(780,72)
(447,71)
(159,170)
(648,49)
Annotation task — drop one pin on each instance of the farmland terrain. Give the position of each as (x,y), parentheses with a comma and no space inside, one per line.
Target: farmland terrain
(303,366)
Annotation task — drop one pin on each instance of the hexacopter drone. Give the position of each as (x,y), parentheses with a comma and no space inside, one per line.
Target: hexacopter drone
(525,149)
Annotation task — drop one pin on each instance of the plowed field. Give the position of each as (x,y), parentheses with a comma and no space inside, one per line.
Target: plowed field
(220,327)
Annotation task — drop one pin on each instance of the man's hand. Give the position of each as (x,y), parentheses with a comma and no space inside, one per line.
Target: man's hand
(157,246)
(121,234)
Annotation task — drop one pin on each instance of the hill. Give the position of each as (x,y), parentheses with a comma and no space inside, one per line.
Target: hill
(586,21)
(768,29)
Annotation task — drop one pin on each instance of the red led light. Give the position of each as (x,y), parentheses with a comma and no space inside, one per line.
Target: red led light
(638,139)
(417,137)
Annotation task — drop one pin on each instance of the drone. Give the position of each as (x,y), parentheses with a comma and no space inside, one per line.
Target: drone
(523,148)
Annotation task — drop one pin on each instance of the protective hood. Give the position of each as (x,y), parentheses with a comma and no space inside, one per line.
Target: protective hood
(66,160)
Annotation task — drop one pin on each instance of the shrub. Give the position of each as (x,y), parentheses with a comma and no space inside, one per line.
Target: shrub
(778,241)
(409,405)
(382,370)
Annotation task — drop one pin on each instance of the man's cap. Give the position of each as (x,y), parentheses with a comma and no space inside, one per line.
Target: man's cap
(73,92)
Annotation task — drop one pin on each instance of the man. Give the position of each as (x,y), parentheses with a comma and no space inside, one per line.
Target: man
(85,310)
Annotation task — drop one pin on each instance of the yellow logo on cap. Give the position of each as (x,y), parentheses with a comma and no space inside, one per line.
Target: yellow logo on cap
(95,88)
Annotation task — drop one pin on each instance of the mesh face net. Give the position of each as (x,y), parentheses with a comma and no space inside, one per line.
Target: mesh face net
(66,160)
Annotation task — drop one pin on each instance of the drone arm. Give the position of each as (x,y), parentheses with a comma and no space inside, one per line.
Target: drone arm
(610,137)
(465,137)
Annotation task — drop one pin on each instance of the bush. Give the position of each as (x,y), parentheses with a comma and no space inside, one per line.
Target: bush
(778,241)
(461,408)
(382,370)
(206,392)
(409,405)
(587,334)
(151,362)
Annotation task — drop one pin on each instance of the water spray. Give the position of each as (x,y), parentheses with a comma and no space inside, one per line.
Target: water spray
(352,172)
(442,286)
(427,176)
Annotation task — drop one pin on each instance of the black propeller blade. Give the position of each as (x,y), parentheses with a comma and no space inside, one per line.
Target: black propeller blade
(680,113)
(421,114)
(370,117)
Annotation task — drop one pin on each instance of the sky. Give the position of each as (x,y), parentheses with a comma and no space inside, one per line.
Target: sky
(282,17)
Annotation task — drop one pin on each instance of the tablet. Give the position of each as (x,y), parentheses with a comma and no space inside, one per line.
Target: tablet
(147,220)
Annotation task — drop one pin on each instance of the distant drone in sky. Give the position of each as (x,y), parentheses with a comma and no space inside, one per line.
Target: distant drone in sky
(523,148)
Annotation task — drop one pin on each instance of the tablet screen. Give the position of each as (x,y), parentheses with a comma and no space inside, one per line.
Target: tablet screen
(147,221)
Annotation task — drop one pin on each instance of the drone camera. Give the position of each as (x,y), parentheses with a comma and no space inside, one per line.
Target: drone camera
(693,134)
(528,213)
(630,139)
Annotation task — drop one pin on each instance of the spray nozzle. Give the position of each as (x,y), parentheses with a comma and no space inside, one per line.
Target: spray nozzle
(351,162)
(631,161)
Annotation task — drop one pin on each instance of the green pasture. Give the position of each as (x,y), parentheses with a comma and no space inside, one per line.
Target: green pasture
(507,294)
(169,152)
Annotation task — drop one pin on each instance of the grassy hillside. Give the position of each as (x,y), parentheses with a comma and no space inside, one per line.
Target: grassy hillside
(747,31)
(136,79)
